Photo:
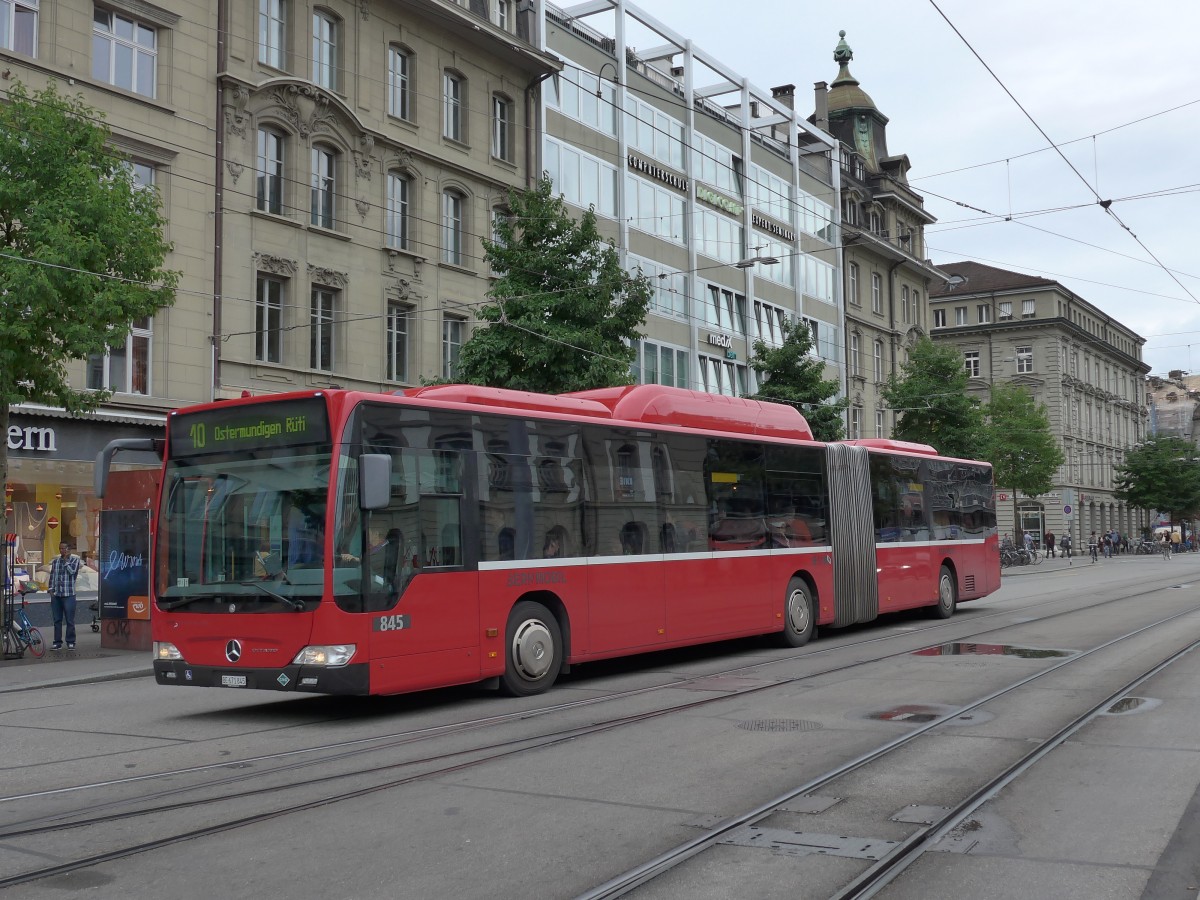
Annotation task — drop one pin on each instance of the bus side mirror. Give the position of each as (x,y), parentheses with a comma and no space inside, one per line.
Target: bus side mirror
(104,458)
(374,480)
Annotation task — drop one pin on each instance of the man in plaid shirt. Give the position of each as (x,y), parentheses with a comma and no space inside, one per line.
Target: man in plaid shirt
(63,572)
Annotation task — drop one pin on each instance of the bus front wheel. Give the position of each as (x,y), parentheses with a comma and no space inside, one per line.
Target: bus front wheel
(799,618)
(947,595)
(533,650)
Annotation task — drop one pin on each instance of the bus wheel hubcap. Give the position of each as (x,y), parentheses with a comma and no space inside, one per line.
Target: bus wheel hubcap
(798,613)
(947,593)
(532,649)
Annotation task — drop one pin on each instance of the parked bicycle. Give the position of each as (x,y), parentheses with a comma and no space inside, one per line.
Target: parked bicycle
(1018,556)
(20,634)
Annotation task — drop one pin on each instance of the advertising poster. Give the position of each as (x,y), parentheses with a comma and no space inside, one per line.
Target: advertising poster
(124,561)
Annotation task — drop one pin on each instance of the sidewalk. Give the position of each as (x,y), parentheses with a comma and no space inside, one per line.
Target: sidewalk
(87,663)
(1049,564)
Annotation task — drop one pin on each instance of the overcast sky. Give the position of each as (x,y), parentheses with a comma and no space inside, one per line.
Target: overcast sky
(1082,71)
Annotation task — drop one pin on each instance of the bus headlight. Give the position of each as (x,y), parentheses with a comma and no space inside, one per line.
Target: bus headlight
(164,650)
(328,655)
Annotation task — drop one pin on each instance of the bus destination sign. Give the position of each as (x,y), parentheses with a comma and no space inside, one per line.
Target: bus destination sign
(267,425)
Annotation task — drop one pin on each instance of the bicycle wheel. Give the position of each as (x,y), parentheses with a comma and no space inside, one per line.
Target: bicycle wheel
(1037,558)
(36,645)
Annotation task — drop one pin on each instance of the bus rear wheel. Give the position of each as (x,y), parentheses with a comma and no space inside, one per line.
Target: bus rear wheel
(799,617)
(533,650)
(947,595)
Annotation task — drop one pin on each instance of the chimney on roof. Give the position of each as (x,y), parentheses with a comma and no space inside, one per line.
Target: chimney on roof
(821,99)
(785,94)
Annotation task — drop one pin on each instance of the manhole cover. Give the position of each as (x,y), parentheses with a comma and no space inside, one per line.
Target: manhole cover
(779,725)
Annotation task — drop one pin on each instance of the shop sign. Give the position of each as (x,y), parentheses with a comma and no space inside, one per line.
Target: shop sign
(75,439)
(720,340)
(1002,496)
(776,229)
(32,437)
(718,201)
(666,176)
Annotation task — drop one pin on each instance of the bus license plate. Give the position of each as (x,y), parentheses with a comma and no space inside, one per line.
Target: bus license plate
(233,681)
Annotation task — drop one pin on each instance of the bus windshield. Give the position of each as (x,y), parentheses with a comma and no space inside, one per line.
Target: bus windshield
(234,524)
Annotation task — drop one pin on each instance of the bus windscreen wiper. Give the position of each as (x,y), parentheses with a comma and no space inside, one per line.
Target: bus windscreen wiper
(297,605)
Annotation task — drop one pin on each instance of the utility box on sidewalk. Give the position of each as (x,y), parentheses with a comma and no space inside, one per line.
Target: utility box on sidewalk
(124,561)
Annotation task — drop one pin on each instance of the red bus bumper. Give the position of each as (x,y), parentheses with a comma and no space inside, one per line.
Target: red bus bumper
(351,679)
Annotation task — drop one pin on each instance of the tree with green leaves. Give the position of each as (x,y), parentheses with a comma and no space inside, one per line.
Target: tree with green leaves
(930,395)
(564,312)
(81,250)
(1162,474)
(1017,441)
(790,374)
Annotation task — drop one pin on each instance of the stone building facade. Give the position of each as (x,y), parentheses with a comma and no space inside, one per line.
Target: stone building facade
(1082,364)
(366,148)
(886,278)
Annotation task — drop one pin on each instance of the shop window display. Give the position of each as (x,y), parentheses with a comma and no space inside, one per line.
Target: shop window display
(42,524)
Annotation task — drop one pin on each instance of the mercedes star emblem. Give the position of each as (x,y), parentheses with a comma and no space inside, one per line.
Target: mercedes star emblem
(233,651)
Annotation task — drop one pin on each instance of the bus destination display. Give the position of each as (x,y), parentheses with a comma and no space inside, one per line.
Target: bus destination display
(269,425)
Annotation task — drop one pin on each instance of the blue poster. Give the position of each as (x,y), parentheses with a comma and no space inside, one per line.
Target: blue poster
(124,559)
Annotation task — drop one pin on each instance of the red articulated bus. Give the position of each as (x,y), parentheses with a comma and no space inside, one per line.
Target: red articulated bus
(349,542)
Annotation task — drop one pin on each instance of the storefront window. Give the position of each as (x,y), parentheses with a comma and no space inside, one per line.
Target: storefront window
(49,496)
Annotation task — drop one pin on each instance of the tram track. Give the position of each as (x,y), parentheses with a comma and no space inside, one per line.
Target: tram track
(909,851)
(906,852)
(457,760)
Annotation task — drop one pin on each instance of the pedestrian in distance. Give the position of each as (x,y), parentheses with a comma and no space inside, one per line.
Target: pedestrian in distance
(1065,544)
(1048,542)
(1165,546)
(1093,546)
(63,572)
(1029,542)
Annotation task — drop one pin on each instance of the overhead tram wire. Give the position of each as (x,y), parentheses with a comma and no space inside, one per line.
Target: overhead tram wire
(1104,204)
(1119,287)
(1089,137)
(997,218)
